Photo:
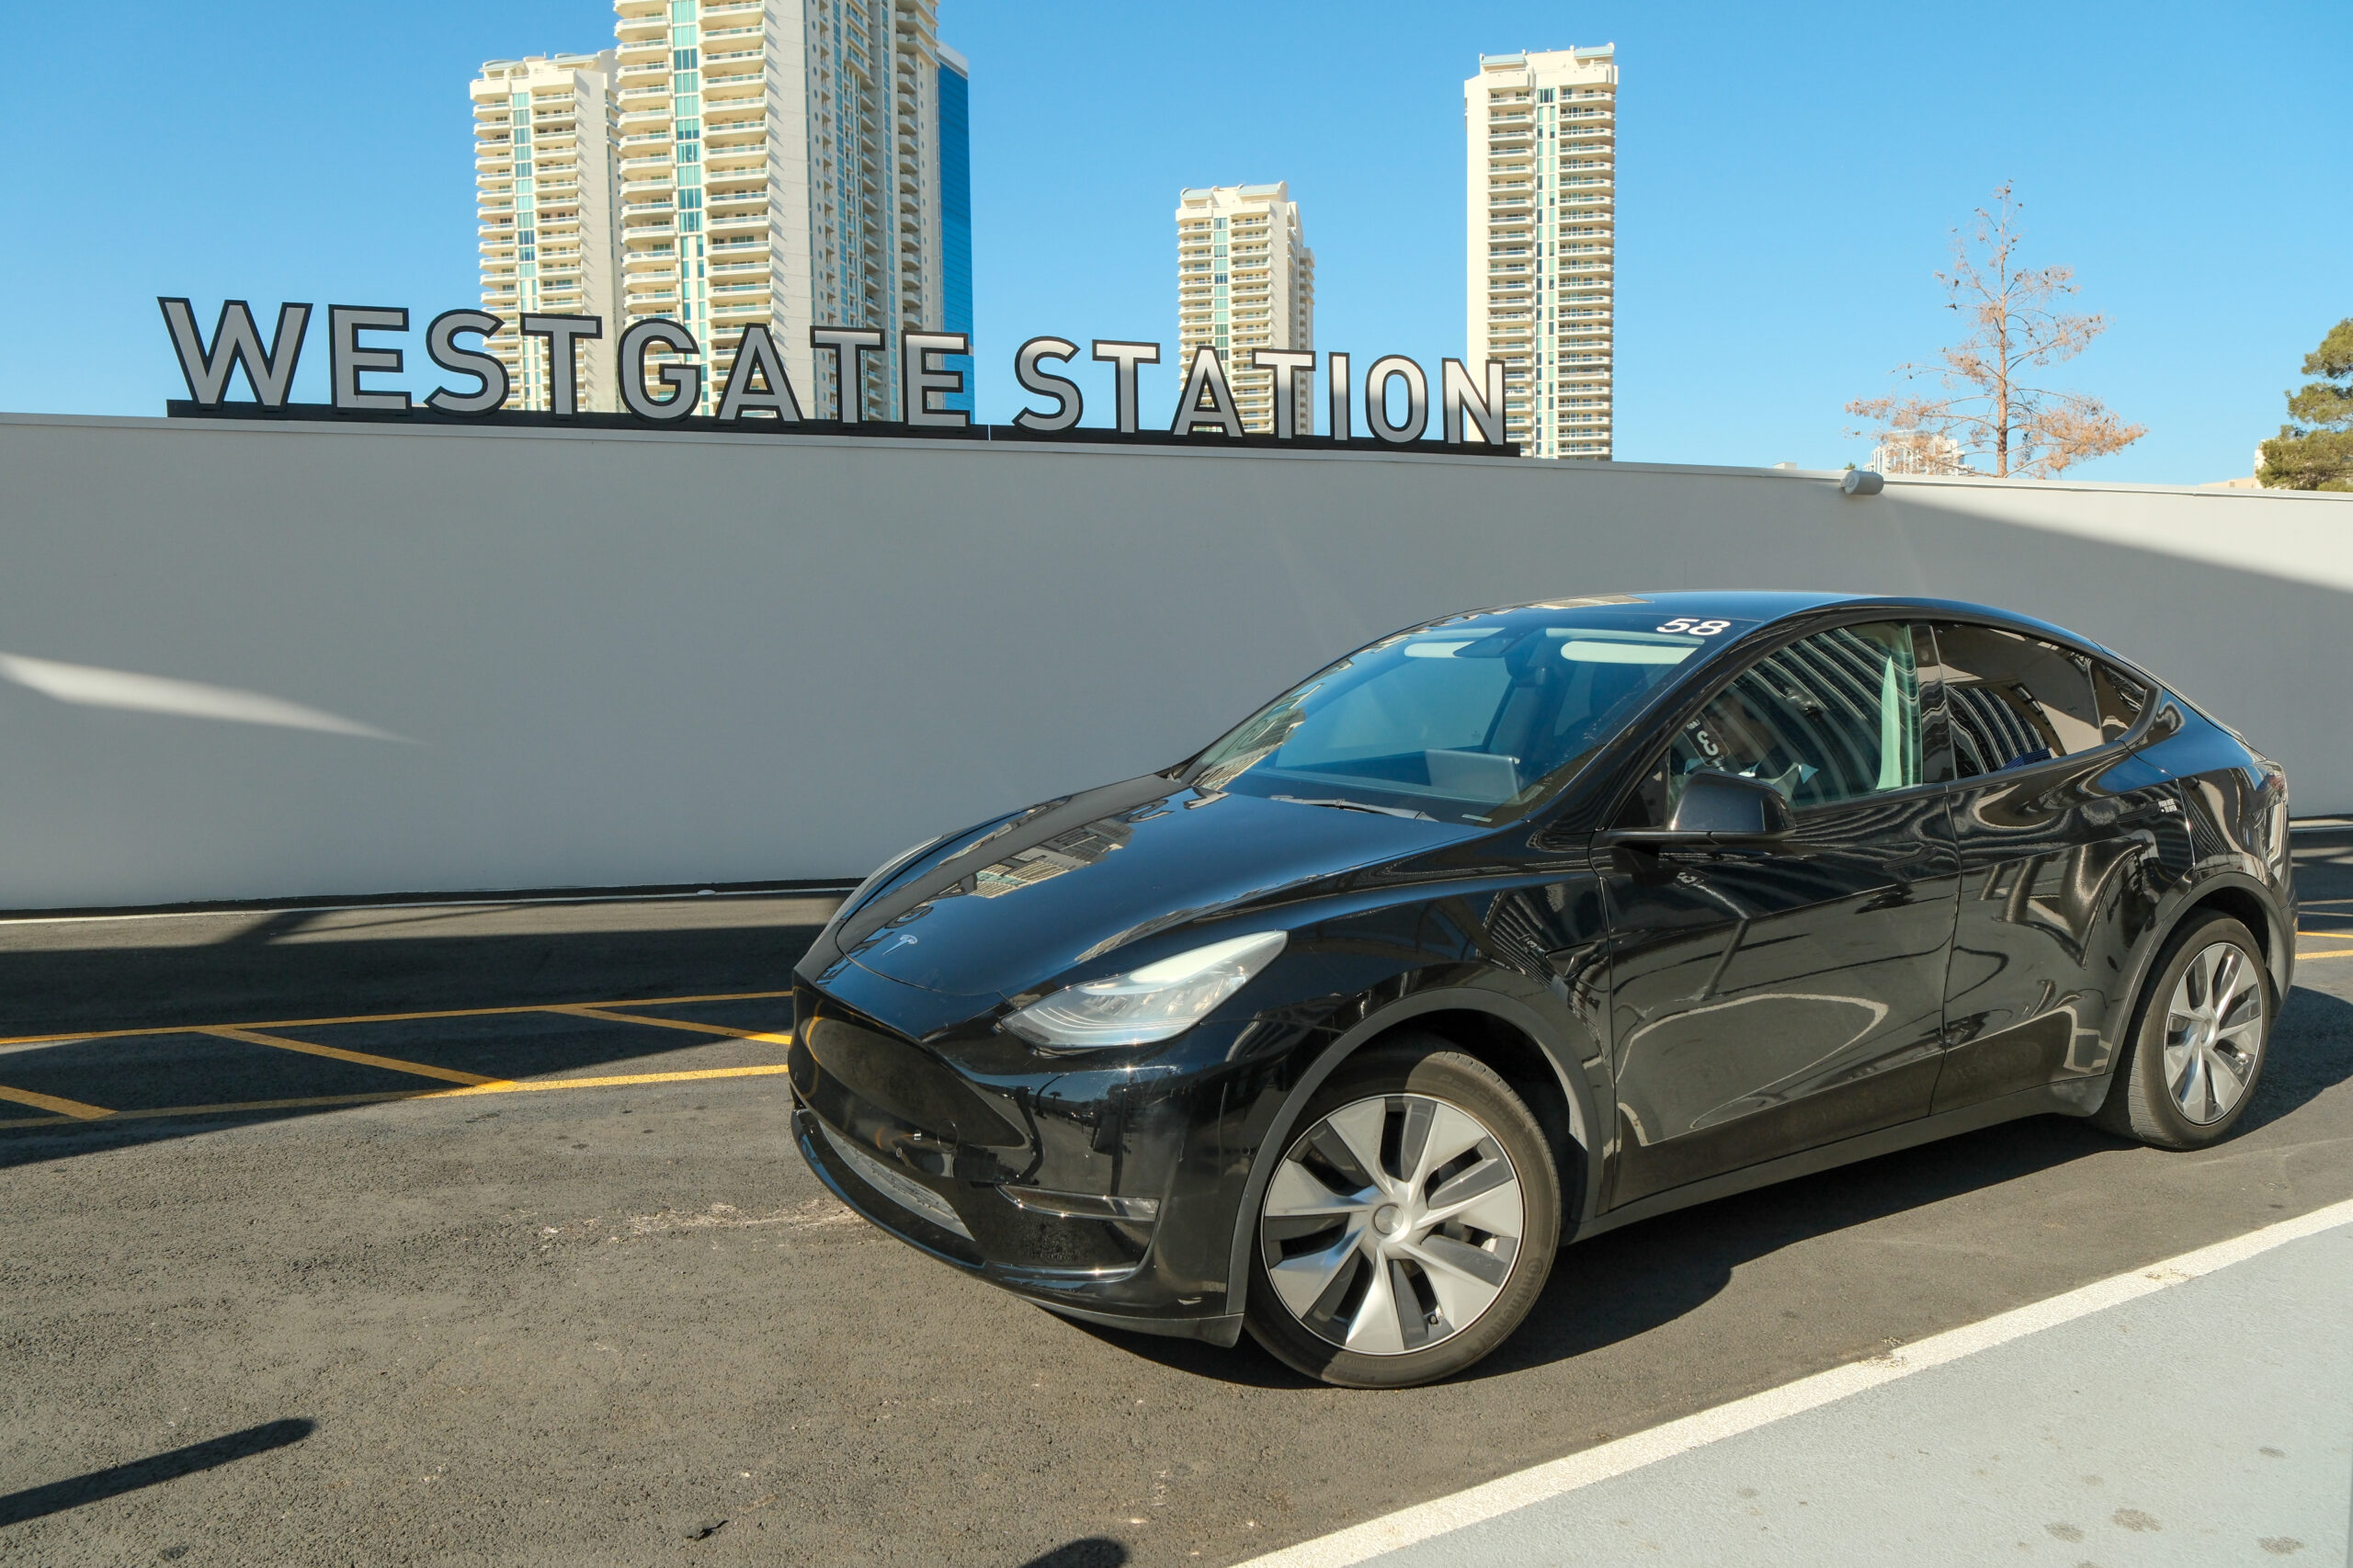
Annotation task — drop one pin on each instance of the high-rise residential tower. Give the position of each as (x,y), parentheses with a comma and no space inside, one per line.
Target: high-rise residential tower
(789,163)
(1246,280)
(543,196)
(1541,134)
(956,212)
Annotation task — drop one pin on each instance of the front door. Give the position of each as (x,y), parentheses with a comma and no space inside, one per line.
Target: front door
(1768,1000)
(2061,833)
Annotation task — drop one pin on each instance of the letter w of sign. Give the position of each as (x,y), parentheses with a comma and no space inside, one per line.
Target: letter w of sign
(236,341)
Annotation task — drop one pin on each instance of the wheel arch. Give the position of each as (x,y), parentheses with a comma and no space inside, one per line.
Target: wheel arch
(1507,1035)
(2236,894)
(2229,892)
(2248,908)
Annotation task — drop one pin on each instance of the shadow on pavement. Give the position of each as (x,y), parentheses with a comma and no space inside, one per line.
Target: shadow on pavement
(183,972)
(159,972)
(1095,1551)
(2312,1051)
(34,1502)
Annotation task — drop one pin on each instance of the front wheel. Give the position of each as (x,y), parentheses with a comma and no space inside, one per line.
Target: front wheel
(1409,1226)
(2195,1054)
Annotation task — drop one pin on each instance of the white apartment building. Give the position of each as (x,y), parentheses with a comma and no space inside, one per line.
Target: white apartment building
(1918,452)
(1246,280)
(543,196)
(793,163)
(1541,130)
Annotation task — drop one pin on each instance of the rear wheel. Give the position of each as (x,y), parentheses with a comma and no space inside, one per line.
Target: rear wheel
(1409,1225)
(2196,1051)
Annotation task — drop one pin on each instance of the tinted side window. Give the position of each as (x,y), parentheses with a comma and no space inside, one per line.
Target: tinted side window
(2013,702)
(1829,718)
(2120,698)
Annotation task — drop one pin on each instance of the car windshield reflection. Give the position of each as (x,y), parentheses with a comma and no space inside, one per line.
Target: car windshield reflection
(1475,720)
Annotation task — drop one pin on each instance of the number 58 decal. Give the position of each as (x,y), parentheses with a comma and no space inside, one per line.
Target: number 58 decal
(1696,628)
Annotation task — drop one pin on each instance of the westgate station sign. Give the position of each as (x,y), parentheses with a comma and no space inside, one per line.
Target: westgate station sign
(759,397)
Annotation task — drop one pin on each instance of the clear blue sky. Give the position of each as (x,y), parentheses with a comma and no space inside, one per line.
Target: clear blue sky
(1788,176)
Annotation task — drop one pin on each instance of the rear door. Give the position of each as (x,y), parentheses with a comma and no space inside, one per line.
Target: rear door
(1766,1000)
(2060,830)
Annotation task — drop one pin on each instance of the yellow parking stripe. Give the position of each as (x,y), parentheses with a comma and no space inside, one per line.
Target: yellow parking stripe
(2325,937)
(521,1086)
(682,1001)
(70,1111)
(306,1102)
(585,1011)
(315,1102)
(393,1017)
(420,1069)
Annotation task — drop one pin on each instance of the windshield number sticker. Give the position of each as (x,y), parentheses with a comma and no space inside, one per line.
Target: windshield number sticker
(1694,628)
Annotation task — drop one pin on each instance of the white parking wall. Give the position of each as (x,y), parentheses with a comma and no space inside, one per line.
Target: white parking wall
(614,658)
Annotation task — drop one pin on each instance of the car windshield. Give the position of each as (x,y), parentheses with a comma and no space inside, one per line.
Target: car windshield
(1473,720)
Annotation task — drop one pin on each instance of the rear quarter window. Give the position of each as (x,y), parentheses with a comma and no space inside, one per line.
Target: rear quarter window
(2012,701)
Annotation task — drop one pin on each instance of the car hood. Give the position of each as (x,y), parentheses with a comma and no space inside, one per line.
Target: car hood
(1074,879)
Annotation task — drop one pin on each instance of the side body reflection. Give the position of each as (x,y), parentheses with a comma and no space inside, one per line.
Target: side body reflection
(1774,997)
(2064,837)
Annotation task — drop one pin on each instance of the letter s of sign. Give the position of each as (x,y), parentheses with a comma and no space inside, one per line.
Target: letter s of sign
(441,346)
(1068,401)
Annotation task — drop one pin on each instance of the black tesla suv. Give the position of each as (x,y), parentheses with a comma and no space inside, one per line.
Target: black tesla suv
(1523,924)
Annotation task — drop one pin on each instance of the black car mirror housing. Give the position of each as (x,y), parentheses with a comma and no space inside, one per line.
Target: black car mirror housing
(1720,808)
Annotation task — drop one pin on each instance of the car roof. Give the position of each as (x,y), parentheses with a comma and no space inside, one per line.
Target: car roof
(1768,605)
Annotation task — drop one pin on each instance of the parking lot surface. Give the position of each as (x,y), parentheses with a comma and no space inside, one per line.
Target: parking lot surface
(2197,1411)
(473,1234)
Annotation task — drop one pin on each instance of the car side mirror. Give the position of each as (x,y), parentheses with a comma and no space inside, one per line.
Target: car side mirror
(1725,805)
(1720,808)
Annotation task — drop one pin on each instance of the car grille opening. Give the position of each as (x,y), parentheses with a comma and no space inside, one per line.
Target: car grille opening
(902,1190)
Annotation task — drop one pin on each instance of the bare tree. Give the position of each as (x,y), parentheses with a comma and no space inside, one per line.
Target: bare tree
(1988,412)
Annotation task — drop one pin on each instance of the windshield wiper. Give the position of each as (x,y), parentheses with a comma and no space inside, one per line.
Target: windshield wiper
(1356,806)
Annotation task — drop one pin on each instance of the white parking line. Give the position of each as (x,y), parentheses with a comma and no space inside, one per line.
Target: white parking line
(1425,1521)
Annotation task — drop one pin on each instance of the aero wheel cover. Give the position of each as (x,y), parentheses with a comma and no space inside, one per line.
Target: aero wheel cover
(2213,1033)
(1393,1224)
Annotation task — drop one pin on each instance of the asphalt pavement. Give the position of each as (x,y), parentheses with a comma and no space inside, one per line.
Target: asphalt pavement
(2193,1414)
(487,1244)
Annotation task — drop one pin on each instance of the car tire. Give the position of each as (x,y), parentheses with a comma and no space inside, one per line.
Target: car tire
(2188,1073)
(1414,1245)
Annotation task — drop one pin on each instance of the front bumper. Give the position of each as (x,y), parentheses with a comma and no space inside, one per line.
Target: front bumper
(1102,1195)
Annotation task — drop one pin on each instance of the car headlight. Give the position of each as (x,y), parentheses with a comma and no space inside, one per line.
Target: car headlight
(1154,1003)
